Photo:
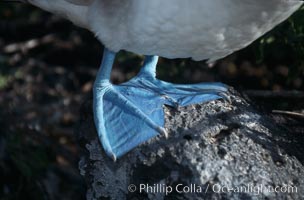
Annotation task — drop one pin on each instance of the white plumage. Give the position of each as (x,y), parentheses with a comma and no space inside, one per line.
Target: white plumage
(201,29)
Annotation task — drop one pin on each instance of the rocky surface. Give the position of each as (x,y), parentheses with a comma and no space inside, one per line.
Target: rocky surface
(217,150)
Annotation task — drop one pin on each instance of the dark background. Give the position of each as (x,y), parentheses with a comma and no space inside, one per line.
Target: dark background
(47,68)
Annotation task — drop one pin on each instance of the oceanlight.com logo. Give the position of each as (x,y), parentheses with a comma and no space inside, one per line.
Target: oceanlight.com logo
(255,189)
(216,188)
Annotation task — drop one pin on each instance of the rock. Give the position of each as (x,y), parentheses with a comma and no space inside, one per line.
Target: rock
(216,150)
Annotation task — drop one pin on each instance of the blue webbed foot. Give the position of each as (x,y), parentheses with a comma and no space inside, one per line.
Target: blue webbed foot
(131,113)
(126,116)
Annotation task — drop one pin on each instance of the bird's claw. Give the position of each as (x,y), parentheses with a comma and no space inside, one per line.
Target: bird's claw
(225,97)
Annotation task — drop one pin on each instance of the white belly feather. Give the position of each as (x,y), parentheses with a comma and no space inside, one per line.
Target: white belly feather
(201,29)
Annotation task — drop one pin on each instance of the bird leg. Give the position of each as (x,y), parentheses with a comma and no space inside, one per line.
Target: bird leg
(131,113)
(120,123)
